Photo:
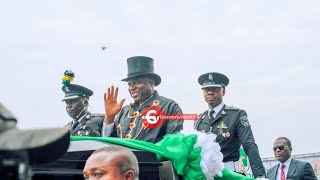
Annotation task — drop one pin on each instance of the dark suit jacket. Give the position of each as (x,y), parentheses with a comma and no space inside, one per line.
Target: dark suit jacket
(298,170)
(153,135)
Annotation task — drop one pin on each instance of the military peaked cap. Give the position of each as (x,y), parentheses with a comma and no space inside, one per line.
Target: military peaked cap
(213,79)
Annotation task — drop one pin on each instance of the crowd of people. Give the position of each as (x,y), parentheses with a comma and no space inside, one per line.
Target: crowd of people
(229,123)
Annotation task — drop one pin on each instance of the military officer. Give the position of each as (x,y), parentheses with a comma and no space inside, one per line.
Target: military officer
(131,121)
(229,123)
(83,122)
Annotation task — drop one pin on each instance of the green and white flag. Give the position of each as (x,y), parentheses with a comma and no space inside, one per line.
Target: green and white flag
(193,156)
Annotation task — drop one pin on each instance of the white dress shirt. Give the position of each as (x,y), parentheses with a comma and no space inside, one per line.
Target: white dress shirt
(217,109)
(107,129)
(285,169)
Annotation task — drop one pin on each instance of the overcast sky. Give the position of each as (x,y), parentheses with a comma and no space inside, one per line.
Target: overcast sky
(268,49)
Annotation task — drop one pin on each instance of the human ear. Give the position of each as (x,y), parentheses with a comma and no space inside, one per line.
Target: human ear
(129,175)
(152,83)
(86,103)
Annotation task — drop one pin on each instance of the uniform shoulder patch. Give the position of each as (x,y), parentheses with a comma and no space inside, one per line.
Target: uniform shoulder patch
(231,108)
(244,121)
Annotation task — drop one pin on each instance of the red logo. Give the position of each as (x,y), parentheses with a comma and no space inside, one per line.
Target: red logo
(154,117)
(151,117)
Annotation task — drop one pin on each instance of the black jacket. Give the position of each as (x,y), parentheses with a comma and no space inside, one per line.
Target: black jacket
(89,125)
(232,128)
(298,170)
(125,117)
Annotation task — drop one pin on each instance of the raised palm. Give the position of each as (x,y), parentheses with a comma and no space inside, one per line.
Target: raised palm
(112,107)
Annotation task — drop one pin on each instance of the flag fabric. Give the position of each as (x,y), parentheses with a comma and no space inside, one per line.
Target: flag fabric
(183,151)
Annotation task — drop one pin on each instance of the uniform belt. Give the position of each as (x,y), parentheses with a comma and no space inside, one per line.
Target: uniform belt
(232,165)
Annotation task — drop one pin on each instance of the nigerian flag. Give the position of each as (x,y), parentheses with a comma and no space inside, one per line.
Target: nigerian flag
(192,156)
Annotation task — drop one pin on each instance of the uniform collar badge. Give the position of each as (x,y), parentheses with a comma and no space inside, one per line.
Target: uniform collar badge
(88,116)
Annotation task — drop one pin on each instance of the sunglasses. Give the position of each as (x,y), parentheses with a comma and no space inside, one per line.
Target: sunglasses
(281,147)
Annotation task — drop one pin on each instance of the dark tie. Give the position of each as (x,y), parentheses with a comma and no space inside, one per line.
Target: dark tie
(211,112)
(283,177)
(74,125)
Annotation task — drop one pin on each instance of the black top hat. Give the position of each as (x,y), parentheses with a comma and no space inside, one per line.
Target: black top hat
(41,145)
(74,91)
(213,79)
(141,66)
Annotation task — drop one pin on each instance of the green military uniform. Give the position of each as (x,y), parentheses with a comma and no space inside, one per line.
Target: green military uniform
(232,128)
(230,124)
(138,130)
(89,125)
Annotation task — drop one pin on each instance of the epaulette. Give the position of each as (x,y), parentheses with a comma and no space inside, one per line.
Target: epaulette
(202,115)
(97,114)
(231,108)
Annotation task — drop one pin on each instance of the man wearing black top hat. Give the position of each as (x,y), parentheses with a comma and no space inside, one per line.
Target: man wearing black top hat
(84,123)
(129,122)
(229,123)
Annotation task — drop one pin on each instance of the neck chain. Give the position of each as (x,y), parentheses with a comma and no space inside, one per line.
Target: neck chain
(135,116)
(140,103)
